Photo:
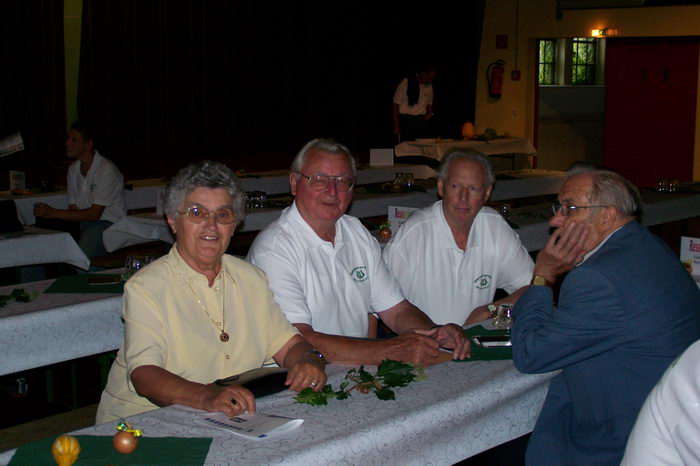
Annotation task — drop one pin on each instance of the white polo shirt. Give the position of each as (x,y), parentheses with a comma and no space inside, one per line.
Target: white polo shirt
(425,98)
(667,430)
(445,282)
(332,287)
(103,185)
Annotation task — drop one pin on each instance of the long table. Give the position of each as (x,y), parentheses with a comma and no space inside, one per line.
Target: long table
(57,327)
(463,408)
(141,228)
(143,194)
(38,246)
(436,148)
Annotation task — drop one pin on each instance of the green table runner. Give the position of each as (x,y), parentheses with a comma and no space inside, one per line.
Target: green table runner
(486,354)
(80,284)
(99,451)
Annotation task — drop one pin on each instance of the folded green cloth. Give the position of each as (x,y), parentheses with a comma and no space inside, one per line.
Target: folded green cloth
(99,451)
(82,284)
(487,354)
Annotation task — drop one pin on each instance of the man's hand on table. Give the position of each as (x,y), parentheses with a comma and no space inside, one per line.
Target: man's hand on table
(450,336)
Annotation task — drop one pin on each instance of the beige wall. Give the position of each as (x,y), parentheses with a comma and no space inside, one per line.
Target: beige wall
(514,111)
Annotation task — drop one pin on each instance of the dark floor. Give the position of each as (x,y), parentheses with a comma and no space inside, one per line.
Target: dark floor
(509,454)
(51,400)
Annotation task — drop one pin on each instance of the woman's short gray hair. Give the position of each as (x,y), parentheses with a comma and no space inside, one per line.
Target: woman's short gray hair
(467,154)
(614,190)
(324,145)
(204,174)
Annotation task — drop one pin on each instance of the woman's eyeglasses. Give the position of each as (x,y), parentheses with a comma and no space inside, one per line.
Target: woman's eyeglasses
(199,214)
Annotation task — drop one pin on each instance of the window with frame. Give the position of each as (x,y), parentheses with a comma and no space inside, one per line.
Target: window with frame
(583,60)
(547,61)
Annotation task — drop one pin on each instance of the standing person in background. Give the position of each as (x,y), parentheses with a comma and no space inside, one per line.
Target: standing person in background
(413,105)
(96,196)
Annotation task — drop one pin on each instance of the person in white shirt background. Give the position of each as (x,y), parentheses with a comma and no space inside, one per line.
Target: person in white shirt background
(96,195)
(413,105)
(451,257)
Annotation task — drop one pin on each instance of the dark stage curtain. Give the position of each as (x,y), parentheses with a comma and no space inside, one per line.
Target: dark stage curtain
(248,83)
(32,89)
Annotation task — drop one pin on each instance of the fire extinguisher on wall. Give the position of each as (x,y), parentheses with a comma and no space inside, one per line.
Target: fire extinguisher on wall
(494,77)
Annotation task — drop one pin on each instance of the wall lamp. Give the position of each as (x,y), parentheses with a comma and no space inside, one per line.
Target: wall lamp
(605,32)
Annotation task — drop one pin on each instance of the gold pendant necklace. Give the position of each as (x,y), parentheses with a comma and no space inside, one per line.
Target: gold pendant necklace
(223,336)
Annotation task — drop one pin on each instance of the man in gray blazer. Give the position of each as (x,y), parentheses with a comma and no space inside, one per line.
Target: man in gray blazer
(626,310)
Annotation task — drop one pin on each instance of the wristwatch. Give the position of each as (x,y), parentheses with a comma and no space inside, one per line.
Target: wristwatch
(316,353)
(539,280)
(493,310)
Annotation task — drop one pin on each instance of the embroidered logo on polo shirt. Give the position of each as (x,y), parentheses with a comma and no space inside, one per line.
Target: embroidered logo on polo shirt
(483,281)
(359,274)
(92,186)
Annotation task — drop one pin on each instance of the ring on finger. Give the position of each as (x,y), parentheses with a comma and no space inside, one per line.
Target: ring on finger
(313,384)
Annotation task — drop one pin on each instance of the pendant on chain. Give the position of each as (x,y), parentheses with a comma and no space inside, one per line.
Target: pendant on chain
(223,337)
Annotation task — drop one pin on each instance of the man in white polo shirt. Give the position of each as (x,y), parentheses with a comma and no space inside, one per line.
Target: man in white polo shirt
(451,257)
(327,275)
(96,196)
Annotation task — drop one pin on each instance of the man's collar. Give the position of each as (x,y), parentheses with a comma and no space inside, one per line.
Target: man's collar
(600,245)
(308,233)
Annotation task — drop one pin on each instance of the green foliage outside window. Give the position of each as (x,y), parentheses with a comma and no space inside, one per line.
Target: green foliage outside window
(583,61)
(546,61)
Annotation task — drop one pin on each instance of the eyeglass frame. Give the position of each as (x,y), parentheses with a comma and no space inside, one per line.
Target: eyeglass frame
(205,218)
(566,210)
(326,184)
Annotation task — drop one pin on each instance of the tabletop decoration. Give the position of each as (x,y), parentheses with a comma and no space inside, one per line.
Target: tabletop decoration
(385,230)
(126,440)
(19,295)
(390,374)
(65,450)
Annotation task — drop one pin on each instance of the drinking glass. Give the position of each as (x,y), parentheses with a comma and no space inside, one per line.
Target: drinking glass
(503,319)
(134,264)
(408,178)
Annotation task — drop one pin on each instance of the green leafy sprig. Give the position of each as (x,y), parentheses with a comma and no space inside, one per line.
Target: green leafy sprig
(390,374)
(18,294)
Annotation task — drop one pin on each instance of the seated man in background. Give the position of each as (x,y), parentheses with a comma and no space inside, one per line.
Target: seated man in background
(450,258)
(327,274)
(96,196)
(626,309)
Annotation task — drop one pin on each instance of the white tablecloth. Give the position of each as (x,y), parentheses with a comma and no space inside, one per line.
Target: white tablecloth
(436,150)
(278,182)
(460,410)
(141,196)
(38,246)
(57,327)
(527,183)
(141,228)
(657,208)
(143,193)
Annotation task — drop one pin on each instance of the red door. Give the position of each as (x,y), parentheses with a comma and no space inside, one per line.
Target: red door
(650,109)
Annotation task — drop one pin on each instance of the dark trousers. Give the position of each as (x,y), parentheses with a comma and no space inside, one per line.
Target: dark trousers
(412,127)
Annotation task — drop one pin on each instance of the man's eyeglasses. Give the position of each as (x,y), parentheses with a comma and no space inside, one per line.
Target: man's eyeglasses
(569,209)
(199,214)
(321,182)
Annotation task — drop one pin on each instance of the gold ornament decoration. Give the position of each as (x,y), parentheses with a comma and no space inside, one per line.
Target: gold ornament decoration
(468,130)
(65,450)
(127,439)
